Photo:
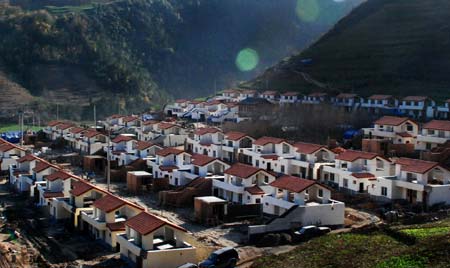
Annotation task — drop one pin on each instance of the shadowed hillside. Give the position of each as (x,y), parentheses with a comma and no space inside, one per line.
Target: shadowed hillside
(400,47)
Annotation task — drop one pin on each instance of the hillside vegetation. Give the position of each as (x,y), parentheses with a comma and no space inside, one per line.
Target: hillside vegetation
(400,47)
(131,54)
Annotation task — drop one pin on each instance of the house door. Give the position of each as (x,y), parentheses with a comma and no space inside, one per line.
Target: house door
(361,187)
(269,167)
(411,196)
(138,262)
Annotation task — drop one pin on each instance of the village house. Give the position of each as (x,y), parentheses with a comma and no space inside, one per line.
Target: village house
(38,184)
(114,122)
(248,93)
(169,134)
(167,160)
(107,218)
(207,141)
(9,154)
(434,134)
(270,95)
(347,100)
(232,142)
(443,111)
(57,184)
(122,150)
(315,98)
(130,121)
(73,137)
(201,166)
(91,141)
(152,242)
(416,181)
(21,173)
(145,149)
(380,104)
(146,130)
(50,130)
(391,134)
(230,94)
(419,107)
(289,97)
(355,171)
(307,160)
(243,184)
(62,130)
(178,109)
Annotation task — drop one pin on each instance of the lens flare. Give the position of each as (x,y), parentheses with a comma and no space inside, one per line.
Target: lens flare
(307,10)
(247,59)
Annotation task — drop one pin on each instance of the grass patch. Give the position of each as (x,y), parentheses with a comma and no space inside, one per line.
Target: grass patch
(16,127)
(404,262)
(427,232)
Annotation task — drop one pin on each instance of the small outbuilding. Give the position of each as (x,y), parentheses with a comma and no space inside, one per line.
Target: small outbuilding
(210,210)
(137,179)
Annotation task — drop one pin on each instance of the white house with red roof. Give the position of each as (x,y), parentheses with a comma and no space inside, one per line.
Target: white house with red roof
(417,107)
(122,149)
(50,129)
(378,104)
(270,95)
(207,141)
(62,130)
(201,166)
(349,101)
(434,134)
(355,171)
(107,219)
(230,94)
(178,108)
(232,142)
(415,181)
(243,184)
(289,191)
(307,160)
(398,130)
(73,137)
(153,242)
(169,134)
(91,141)
(315,98)
(146,130)
(290,97)
(57,184)
(247,93)
(145,149)
(21,173)
(9,154)
(166,161)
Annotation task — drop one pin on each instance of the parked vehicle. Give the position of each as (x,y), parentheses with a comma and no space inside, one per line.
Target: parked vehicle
(188,265)
(222,258)
(308,232)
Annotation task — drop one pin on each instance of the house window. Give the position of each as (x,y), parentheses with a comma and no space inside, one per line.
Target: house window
(344,165)
(282,168)
(257,163)
(345,183)
(286,149)
(266,179)
(320,193)
(383,191)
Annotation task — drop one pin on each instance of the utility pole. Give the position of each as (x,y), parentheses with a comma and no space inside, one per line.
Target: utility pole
(108,171)
(95,117)
(21,127)
(57,111)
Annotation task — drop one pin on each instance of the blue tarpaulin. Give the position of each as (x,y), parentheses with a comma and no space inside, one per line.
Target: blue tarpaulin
(11,136)
(349,134)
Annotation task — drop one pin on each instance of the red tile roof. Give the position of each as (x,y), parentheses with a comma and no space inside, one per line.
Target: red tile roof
(380,97)
(317,94)
(91,133)
(338,150)
(292,184)
(142,145)
(54,123)
(346,96)
(351,155)
(202,160)
(76,130)
(165,125)
(231,91)
(405,135)
(145,223)
(242,170)
(415,98)
(53,194)
(150,122)
(266,140)
(59,175)
(80,187)
(235,136)
(116,226)
(64,126)
(130,118)
(122,138)
(108,203)
(249,91)
(181,101)
(116,116)
(270,156)
(363,175)
(290,93)
(438,125)
(206,130)
(307,148)
(41,166)
(5,147)
(254,190)
(26,158)
(168,151)
(416,165)
(392,120)
(270,93)
(168,168)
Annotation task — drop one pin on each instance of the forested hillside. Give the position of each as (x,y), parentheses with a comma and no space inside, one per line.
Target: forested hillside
(399,47)
(132,54)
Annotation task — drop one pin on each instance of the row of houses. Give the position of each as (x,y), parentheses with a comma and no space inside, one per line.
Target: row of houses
(142,238)
(229,101)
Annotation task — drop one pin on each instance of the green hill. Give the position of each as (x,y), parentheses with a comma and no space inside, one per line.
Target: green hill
(137,53)
(399,47)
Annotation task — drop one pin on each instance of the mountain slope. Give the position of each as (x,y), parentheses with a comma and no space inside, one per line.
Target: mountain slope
(139,53)
(400,47)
